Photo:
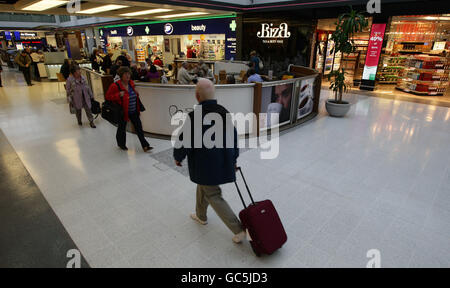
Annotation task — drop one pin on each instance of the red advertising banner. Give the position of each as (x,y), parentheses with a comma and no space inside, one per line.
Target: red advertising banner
(374,51)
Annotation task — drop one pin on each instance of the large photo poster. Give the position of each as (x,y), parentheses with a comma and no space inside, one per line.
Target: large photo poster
(305,98)
(276,100)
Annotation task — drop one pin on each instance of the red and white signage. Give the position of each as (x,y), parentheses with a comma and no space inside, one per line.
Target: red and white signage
(374,51)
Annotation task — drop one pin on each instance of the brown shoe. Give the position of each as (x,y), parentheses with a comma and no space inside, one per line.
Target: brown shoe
(148,148)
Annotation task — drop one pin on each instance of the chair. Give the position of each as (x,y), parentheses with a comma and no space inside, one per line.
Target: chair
(60,78)
(222,77)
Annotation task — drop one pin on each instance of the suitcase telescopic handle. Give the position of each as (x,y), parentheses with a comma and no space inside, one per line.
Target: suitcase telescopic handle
(246,186)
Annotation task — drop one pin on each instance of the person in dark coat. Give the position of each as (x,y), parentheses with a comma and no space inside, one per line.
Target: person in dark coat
(24,61)
(124,58)
(115,67)
(210,167)
(94,60)
(65,69)
(107,63)
(123,93)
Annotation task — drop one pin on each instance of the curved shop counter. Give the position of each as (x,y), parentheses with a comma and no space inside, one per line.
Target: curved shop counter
(294,101)
(162,101)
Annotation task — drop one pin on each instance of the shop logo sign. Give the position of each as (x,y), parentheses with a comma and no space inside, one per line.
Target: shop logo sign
(130,31)
(113,32)
(168,28)
(268,31)
(198,28)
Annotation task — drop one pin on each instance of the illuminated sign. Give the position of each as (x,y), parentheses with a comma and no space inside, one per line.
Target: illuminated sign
(198,28)
(130,31)
(168,28)
(28,34)
(113,32)
(373,51)
(268,31)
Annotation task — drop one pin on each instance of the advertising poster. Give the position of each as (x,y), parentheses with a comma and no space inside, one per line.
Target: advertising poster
(305,98)
(276,100)
(374,51)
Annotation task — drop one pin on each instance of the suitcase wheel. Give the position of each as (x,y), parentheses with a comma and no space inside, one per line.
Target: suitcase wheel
(256,252)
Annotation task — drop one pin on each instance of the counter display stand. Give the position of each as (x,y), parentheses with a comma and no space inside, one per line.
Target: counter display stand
(425,75)
(391,69)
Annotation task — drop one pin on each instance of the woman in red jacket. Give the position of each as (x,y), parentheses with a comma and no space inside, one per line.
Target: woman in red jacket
(124,93)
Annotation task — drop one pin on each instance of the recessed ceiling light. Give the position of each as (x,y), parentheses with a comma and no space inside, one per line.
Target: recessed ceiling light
(182,15)
(102,9)
(44,5)
(145,12)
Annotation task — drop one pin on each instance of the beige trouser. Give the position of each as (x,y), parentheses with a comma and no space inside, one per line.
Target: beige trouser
(213,195)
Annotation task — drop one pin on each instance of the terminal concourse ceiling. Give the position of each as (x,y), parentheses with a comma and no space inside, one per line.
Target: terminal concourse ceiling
(145,10)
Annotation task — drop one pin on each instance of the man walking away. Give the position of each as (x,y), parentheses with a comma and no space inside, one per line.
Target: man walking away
(211,167)
(24,61)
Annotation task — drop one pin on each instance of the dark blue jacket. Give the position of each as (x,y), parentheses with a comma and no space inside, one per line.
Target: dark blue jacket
(210,166)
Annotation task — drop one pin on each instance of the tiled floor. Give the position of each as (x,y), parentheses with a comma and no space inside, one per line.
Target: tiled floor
(377,179)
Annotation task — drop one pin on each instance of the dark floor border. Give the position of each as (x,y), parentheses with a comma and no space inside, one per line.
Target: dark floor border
(31,235)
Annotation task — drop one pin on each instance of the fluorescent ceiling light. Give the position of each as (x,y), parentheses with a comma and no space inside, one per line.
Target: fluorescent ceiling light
(44,5)
(102,9)
(182,15)
(146,12)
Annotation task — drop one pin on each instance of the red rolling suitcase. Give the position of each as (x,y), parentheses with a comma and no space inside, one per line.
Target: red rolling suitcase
(262,224)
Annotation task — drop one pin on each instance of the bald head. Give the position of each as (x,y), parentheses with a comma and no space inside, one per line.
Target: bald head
(204,90)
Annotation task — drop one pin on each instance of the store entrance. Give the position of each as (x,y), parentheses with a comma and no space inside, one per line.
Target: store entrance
(415,60)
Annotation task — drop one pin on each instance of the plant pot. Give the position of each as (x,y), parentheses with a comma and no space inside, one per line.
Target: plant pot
(337,109)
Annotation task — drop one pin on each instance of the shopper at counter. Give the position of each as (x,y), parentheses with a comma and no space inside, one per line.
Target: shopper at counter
(253,76)
(153,74)
(124,93)
(209,168)
(79,94)
(35,58)
(203,71)
(190,52)
(24,61)
(183,76)
(94,60)
(158,62)
(65,69)
(107,62)
(254,61)
(115,67)
(123,57)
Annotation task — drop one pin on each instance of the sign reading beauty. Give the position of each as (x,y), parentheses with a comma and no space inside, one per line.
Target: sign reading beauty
(374,51)
(271,34)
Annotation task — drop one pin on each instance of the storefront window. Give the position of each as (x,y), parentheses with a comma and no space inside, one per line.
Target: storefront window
(415,59)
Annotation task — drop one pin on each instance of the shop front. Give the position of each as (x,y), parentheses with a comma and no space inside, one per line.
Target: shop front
(278,39)
(211,39)
(325,60)
(415,56)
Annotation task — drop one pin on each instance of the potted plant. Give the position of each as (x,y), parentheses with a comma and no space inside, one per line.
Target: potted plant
(346,26)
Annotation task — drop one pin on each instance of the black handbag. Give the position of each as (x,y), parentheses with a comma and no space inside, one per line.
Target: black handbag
(112,112)
(95,107)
